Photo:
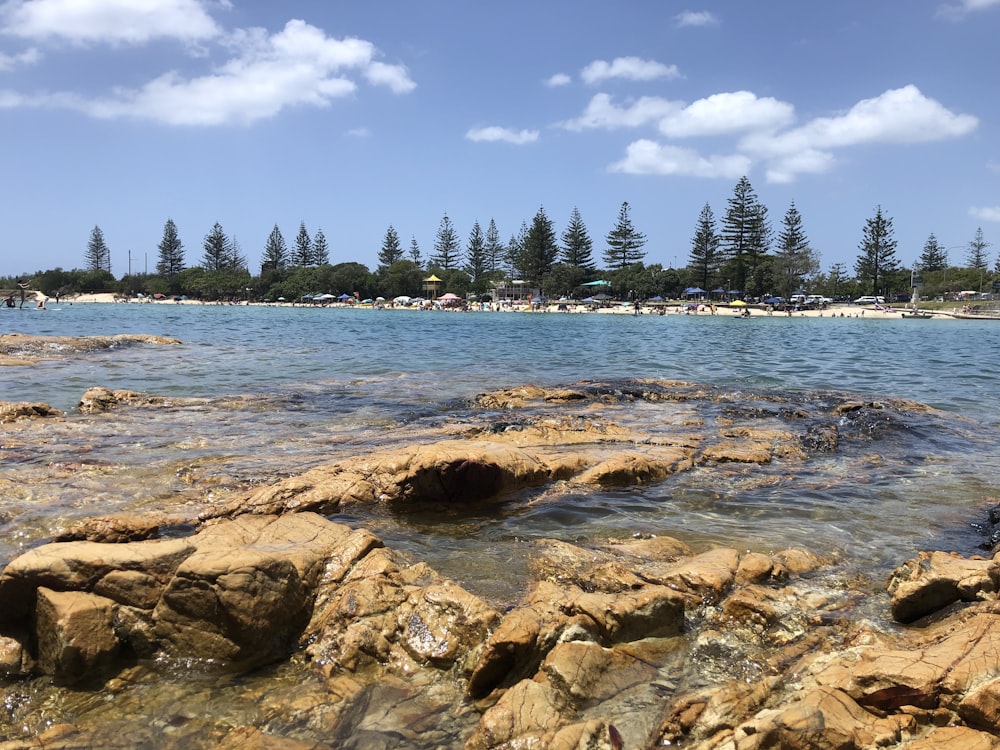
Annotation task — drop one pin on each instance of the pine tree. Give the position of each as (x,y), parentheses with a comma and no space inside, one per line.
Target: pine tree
(415,254)
(475,253)
(98,254)
(302,255)
(321,251)
(275,251)
(494,248)
(624,242)
(794,260)
(577,247)
(447,249)
(218,250)
(237,261)
(704,259)
(171,252)
(934,256)
(391,251)
(539,249)
(976,258)
(746,238)
(878,252)
(514,255)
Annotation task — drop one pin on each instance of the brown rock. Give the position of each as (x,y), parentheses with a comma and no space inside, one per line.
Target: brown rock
(625,469)
(75,633)
(954,738)
(11,411)
(981,707)
(931,582)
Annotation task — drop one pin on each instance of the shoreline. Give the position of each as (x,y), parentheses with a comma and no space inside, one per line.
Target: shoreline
(673,308)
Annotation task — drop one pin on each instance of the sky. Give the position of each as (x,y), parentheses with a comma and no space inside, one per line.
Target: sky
(356,116)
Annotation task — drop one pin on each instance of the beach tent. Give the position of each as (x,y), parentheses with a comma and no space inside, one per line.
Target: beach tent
(449,297)
(344,296)
(657,298)
(694,290)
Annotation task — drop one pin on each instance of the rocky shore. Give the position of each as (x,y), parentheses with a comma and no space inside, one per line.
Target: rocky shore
(320,635)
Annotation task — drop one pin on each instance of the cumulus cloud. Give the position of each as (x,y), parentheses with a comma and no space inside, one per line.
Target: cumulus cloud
(733,112)
(495,133)
(603,114)
(648,157)
(695,18)
(629,68)
(766,131)
(559,79)
(987,213)
(266,73)
(108,21)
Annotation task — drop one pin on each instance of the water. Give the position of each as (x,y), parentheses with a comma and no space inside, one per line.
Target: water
(278,390)
(318,384)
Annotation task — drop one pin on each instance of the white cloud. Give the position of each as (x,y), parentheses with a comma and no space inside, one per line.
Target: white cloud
(559,79)
(630,68)
(648,157)
(902,115)
(299,65)
(10,62)
(695,18)
(769,139)
(988,213)
(965,7)
(728,113)
(393,76)
(495,133)
(602,113)
(359,132)
(108,21)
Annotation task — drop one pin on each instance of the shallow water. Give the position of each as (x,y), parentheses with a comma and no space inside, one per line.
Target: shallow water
(332,382)
(285,389)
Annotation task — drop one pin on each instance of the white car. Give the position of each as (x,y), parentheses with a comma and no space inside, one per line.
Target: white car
(869,300)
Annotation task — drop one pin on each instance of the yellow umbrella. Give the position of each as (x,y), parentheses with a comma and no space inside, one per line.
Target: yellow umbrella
(738,303)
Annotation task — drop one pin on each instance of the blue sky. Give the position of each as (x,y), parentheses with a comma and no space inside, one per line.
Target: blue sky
(351,116)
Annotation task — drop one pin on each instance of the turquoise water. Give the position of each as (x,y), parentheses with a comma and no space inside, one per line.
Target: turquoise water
(952,365)
(331,382)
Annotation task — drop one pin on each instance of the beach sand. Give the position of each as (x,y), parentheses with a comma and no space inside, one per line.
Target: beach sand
(834,311)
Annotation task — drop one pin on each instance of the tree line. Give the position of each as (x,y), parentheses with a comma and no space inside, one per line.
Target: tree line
(741,255)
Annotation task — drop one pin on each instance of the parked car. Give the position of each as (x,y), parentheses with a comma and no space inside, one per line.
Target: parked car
(869,300)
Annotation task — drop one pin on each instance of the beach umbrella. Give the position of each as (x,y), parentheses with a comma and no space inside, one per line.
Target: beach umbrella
(738,303)
(281,299)
(774,301)
(657,298)
(587,299)
(380,299)
(307,296)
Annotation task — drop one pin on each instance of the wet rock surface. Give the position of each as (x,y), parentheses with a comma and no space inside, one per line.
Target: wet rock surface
(258,618)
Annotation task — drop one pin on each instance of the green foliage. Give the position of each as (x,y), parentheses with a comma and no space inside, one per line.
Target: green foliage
(404,277)
(276,252)
(171,251)
(625,244)
(320,249)
(391,250)
(577,247)
(934,256)
(705,259)
(794,261)
(877,260)
(539,249)
(477,262)
(746,239)
(98,254)
(302,255)
(447,249)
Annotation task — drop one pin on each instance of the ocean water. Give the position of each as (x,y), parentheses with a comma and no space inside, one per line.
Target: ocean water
(336,382)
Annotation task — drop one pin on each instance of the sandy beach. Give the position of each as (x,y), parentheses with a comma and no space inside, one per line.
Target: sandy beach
(670,308)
